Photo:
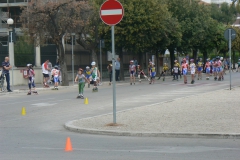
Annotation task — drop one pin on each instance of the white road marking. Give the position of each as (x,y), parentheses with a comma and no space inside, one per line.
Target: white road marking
(43,104)
(3,103)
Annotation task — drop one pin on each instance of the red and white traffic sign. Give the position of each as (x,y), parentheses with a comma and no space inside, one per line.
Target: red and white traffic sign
(111,12)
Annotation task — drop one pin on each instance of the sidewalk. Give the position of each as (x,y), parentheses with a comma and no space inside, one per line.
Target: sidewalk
(213,114)
(39,87)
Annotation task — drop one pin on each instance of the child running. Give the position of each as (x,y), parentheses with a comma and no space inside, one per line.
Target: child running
(88,75)
(81,82)
(207,68)
(165,69)
(214,68)
(175,70)
(139,71)
(31,83)
(200,68)
(219,68)
(152,73)
(222,68)
(132,71)
(95,76)
(184,70)
(55,73)
(192,70)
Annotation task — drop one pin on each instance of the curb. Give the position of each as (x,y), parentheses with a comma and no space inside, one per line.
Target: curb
(69,126)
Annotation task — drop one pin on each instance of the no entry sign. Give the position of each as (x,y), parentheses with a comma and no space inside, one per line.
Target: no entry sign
(111,12)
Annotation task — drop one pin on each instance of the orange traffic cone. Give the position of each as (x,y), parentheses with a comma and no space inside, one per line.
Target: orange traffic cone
(68,145)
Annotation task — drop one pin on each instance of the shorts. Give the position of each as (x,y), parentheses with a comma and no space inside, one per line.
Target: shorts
(193,71)
(56,79)
(88,76)
(208,70)
(153,74)
(95,79)
(45,75)
(219,69)
(214,69)
(31,82)
(184,71)
(132,73)
(199,69)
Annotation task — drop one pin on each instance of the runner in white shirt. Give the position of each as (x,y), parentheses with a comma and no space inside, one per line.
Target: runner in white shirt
(192,69)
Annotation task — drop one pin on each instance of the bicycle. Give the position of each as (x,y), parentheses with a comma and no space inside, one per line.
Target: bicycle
(2,78)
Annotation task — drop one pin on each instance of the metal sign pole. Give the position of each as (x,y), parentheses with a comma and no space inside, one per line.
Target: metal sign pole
(113,75)
(72,63)
(101,60)
(229,45)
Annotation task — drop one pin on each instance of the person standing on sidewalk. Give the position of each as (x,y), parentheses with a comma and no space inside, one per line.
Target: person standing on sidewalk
(6,67)
(31,83)
(45,73)
(117,68)
(109,67)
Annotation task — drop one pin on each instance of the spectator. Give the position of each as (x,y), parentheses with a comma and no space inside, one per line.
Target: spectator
(45,71)
(6,67)
(117,68)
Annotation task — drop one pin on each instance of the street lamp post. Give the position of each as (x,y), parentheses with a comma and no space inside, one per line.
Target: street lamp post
(73,34)
(11,40)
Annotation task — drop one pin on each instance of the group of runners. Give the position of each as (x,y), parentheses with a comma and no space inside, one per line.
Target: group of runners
(215,67)
(89,75)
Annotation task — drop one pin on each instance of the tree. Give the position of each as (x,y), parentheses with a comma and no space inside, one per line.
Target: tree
(224,13)
(24,52)
(89,36)
(52,20)
(141,27)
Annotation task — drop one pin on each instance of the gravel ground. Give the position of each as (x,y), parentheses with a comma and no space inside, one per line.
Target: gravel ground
(213,112)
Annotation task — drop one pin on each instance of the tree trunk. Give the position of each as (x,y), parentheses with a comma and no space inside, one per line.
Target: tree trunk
(95,58)
(195,54)
(204,56)
(63,65)
(143,59)
(172,57)
(157,62)
(224,54)
(121,65)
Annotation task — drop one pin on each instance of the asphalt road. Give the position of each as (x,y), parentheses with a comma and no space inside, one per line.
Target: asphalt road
(40,133)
